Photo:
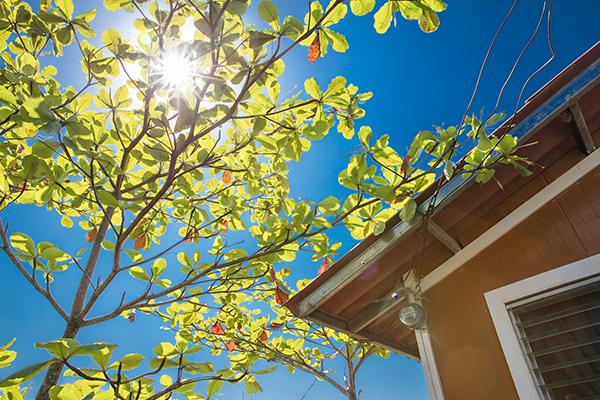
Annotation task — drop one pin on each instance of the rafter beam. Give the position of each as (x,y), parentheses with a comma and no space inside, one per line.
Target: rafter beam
(509,222)
(372,337)
(374,311)
(442,236)
(582,128)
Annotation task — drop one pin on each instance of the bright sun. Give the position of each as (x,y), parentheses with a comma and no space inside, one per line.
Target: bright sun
(176,71)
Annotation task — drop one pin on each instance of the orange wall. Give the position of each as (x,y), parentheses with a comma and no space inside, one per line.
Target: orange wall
(467,350)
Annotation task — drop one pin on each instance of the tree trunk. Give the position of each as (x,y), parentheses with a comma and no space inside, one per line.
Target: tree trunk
(73,326)
(54,371)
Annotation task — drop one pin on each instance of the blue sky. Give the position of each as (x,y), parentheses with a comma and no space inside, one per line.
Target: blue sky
(418,79)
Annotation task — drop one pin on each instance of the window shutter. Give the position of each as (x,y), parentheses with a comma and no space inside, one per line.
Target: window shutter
(560,335)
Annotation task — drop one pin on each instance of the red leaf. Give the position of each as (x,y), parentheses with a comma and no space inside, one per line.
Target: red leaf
(226,178)
(324,266)
(230,346)
(217,329)
(275,326)
(263,336)
(280,296)
(90,236)
(140,242)
(224,225)
(314,50)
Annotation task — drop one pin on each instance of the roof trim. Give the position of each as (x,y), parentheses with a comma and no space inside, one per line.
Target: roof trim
(356,261)
(509,222)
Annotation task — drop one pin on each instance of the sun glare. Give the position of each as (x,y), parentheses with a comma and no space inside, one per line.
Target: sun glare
(176,71)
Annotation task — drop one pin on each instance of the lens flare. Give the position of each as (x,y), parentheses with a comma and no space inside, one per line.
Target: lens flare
(176,71)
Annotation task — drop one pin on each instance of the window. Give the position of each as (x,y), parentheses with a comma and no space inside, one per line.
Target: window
(549,329)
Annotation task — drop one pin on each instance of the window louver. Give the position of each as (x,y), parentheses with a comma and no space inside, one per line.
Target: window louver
(560,334)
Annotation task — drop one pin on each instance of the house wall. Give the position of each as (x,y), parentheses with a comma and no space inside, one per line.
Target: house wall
(468,354)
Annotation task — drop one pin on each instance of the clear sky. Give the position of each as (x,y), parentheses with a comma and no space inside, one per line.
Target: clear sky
(418,80)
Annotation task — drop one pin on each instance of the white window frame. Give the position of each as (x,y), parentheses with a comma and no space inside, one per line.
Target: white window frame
(532,289)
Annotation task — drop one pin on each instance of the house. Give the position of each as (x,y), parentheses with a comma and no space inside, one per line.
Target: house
(497,292)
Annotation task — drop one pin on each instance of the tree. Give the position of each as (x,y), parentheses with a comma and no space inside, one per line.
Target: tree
(260,329)
(192,135)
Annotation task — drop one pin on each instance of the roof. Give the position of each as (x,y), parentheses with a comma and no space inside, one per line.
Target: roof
(362,279)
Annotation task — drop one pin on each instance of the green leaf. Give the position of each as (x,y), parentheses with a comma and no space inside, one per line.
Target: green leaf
(485,175)
(312,88)
(252,387)
(7,96)
(44,149)
(184,258)
(213,387)
(49,251)
(166,380)
(258,39)
(25,374)
(165,349)
(329,206)
(66,6)
(336,15)
(22,243)
(199,367)
(107,199)
(337,40)
(158,267)
(435,5)
(7,356)
(507,144)
(429,21)
(268,11)
(364,134)
(292,27)
(66,221)
(362,7)
(408,211)
(410,10)
(139,273)
(128,362)
(383,18)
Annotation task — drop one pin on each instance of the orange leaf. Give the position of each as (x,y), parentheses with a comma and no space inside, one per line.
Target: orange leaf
(324,266)
(314,50)
(275,326)
(217,329)
(226,178)
(280,296)
(224,225)
(263,336)
(230,346)
(405,165)
(90,236)
(140,242)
